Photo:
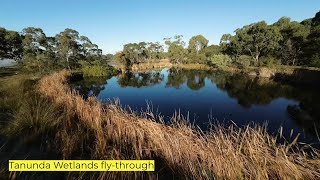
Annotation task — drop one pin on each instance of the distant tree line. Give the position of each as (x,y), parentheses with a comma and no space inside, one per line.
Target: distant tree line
(38,52)
(285,42)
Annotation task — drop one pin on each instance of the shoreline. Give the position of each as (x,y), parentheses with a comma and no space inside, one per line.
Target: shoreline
(294,75)
(176,143)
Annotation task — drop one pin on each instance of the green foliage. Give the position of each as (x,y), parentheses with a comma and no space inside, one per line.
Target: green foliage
(291,42)
(219,61)
(244,61)
(197,44)
(34,41)
(196,58)
(259,39)
(269,61)
(96,68)
(176,52)
(315,60)
(293,38)
(232,46)
(312,46)
(10,44)
(212,50)
(196,47)
(135,53)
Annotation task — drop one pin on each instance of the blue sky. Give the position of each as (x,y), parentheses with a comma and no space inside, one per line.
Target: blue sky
(110,24)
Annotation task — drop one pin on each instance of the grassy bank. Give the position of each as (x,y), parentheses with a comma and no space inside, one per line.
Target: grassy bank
(86,129)
(108,132)
(294,75)
(164,63)
(276,69)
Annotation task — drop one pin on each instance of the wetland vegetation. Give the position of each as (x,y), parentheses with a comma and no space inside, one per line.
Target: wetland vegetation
(247,108)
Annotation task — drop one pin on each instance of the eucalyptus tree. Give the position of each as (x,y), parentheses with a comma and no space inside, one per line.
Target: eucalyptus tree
(3,43)
(131,53)
(197,43)
(88,49)
(232,46)
(10,44)
(34,41)
(312,46)
(294,36)
(259,39)
(68,44)
(155,50)
(195,49)
(176,51)
(212,50)
(14,45)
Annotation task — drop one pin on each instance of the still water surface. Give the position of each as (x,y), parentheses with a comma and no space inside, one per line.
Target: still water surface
(210,96)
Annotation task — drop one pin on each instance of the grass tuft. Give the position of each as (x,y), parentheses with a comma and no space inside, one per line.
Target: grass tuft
(109,132)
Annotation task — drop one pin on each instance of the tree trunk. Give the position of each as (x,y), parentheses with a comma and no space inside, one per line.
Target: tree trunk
(68,62)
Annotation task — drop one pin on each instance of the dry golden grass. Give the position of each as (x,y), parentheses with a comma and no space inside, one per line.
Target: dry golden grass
(109,132)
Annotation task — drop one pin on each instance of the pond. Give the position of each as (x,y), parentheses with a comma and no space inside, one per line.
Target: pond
(212,96)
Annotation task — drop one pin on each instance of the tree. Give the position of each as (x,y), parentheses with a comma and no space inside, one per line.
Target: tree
(316,20)
(212,50)
(67,44)
(10,44)
(283,23)
(14,45)
(259,39)
(88,49)
(195,49)
(197,43)
(312,45)
(293,37)
(155,50)
(232,46)
(176,52)
(3,43)
(34,41)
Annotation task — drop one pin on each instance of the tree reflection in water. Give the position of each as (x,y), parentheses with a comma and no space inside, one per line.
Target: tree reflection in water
(140,79)
(246,90)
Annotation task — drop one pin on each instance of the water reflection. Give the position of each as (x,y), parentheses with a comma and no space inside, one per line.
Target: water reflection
(90,86)
(227,96)
(250,91)
(195,79)
(140,79)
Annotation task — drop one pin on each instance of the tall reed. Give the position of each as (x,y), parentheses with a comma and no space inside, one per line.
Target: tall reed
(109,132)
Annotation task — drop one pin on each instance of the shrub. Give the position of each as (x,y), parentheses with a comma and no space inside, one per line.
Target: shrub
(219,60)
(94,70)
(36,115)
(97,70)
(196,58)
(315,60)
(244,61)
(269,62)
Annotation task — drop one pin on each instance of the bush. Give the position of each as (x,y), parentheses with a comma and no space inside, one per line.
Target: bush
(219,60)
(35,115)
(97,70)
(244,61)
(196,58)
(94,70)
(315,61)
(269,62)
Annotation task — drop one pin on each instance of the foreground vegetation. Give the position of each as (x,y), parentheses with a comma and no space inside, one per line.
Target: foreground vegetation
(71,127)
(180,150)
